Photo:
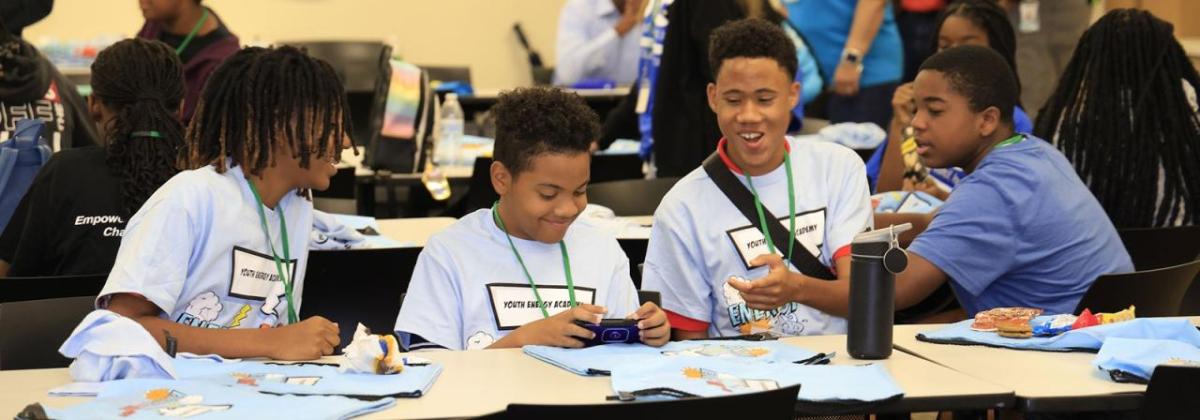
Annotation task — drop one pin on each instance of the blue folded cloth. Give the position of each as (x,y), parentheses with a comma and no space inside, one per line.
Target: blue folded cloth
(600,360)
(1134,360)
(1084,339)
(710,377)
(163,398)
(107,346)
(310,378)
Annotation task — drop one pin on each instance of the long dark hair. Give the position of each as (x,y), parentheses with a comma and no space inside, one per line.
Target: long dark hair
(1120,115)
(989,16)
(141,82)
(260,96)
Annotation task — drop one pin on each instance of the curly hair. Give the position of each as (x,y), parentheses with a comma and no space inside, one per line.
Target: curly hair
(1120,115)
(992,19)
(141,82)
(537,120)
(261,96)
(751,38)
(978,74)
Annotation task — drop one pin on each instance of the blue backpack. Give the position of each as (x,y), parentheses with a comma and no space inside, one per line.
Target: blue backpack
(21,157)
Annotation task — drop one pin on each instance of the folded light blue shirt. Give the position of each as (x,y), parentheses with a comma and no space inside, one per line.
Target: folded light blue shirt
(712,377)
(600,360)
(310,378)
(1085,339)
(1139,357)
(164,398)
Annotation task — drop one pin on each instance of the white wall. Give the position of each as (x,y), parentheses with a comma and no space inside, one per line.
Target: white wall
(476,33)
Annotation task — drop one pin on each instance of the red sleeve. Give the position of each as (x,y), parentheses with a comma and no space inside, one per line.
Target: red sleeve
(841,252)
(680,322)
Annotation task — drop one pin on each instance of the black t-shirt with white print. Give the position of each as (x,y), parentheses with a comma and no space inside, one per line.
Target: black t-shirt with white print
(70,221)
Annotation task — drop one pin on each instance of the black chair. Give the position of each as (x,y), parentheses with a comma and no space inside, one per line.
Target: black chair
(480,193)
(635,250)
(1172,393)
(356,286)
(774,404)
(637,197)
(448,73)
(1151,248)
(1155,292)
(32,331)
(606,168)
(16,289)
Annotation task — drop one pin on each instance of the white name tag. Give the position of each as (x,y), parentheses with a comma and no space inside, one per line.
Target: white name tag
(515,305)
(255,276)
(810,230)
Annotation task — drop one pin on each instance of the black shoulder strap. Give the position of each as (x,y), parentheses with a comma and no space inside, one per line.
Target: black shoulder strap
(744,201)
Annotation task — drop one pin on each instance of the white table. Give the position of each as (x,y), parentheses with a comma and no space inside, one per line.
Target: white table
(1042,381)
(479,382)
(415,230)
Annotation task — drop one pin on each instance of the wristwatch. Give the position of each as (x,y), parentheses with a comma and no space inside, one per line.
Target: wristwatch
(853,57)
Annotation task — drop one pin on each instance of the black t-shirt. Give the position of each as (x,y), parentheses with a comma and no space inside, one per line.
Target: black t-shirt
(70,221)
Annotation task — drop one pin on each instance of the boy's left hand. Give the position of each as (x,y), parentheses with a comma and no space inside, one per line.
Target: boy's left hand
(776,289)
(655,329)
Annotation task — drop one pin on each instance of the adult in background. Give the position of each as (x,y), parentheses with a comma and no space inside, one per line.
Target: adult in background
(598,39)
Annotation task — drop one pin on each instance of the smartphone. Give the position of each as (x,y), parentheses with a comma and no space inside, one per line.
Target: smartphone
(610,331)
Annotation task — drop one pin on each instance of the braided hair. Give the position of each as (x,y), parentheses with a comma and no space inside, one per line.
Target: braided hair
(1120,115)
(989,16)
(262,96)
(141,82)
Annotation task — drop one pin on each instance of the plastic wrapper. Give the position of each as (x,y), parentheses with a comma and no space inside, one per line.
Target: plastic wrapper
(1056,325)
(371,353)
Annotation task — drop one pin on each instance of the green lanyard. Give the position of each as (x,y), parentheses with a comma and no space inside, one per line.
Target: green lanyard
(762,219)
(1016,138)
(191,35)
(287,255)
(566,264)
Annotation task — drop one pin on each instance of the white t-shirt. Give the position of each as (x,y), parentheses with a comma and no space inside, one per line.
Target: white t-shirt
(699,239)
(468,290)
(197,250)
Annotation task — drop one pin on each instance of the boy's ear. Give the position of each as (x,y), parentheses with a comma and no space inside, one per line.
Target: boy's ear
(989,121)
(793,94)
(501,178)
(712,97)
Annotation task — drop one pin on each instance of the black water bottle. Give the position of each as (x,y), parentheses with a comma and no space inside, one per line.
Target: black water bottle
(875,259)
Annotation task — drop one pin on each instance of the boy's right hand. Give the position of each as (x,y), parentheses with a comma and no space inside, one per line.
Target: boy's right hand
(903,107)
(308,340)
(560,330)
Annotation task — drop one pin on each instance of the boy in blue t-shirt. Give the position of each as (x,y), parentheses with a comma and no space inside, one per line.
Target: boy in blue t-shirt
(1021,229)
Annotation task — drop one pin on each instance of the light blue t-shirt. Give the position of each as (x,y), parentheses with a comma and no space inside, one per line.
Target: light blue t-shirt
(468,290)
(1022,230)
(197,250)
(826,26)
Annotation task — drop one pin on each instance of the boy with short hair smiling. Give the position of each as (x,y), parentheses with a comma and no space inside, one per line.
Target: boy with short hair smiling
(524,271)
(1021,229)
(818,191)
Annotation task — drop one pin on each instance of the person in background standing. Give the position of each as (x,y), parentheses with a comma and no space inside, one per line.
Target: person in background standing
(598,39)
(197,35)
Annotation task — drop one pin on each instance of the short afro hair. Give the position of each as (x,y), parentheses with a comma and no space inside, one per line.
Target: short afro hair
(981,75)
(751,38)
(536,120)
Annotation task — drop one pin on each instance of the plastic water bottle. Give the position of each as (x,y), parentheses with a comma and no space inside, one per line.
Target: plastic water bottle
(449,146)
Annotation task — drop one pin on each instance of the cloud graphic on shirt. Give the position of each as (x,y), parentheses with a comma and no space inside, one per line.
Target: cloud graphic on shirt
(480,340)
(271,305)
(205,307)
(732,296)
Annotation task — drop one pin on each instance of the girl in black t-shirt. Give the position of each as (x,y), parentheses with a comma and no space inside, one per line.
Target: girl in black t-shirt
(72,218)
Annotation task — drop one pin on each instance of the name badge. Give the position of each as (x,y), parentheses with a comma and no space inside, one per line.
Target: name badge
(514,304)
(255,276)
(810,231)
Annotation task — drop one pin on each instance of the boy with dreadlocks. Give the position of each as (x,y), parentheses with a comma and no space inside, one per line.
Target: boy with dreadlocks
(208,260)
(1020,229)
(1124,113)
(65,227)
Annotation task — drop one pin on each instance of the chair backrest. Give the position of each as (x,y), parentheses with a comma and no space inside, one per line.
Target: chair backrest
(1151,248)
(356,286)
(16,289)
(616,167)
(605,169)
(448,73)
(1157,292)
(1172,393)
(32,331)
(636,197)
(775,404)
